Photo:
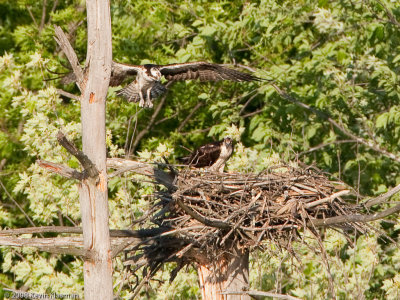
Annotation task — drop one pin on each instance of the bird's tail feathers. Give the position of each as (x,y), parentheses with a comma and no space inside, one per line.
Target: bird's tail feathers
(129,92)
(157,90)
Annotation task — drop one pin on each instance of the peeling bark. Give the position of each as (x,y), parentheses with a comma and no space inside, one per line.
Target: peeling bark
(229,272)
(93,190)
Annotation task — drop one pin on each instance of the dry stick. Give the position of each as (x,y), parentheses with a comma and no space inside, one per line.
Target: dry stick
(252,113)
(202,219)
(60,169)
(166,118)
(117,233)
(354,218)
(32,16)
(54,6)
(65,45)
(144,281)
(61,245)
(247,102)
(147,169)
(259,293)
(16,203)
(43,229)
(43,15)
(324,116)
(131,165)
(86,163)
(326,199)
(382,198)
(128,144)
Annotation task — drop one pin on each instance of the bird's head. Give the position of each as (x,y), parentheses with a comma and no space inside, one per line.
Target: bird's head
(155,73)
(228,142)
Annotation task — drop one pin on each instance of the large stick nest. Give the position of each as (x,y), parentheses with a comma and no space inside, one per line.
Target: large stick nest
(209,213)
(248,208)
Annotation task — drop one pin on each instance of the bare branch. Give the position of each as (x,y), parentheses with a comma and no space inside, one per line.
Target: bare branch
(60,169)
(202,219)
(247,103)
(69,95)
(42,21)
(382,198)
(42,229)
(142,233)
(346,132)
(17,204)
(167,118)
(260,294)
(151,170)
(66,47)
(54,6)
(252,113)
(59,245)
(355,218)
(32,16)
(86,163)
(130,165)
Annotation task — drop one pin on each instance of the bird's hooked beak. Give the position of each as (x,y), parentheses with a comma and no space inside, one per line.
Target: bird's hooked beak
(228,141)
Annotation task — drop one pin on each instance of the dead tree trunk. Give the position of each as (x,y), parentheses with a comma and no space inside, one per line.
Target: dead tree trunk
(93,190)
(228,273)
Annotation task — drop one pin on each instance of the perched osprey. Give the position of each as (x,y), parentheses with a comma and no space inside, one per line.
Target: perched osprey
(147,85)
(213,155)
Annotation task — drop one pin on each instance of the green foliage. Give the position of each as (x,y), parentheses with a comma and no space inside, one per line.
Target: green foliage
(340,57)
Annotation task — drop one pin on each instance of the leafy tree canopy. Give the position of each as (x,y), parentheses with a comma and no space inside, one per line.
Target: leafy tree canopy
(339,57)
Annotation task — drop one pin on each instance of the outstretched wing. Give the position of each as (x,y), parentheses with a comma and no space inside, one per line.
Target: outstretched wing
(204,156)
(120,72)
(204,71)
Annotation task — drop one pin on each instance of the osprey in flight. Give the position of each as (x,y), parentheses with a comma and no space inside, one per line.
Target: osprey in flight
(213,155)
(147,85)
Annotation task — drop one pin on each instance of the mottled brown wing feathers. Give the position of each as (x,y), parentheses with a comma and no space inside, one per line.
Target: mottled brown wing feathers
(120,72)
(204,156)
(204,72)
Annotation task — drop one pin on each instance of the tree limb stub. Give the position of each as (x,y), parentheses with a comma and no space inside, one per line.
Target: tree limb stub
(66,47)
(89,167)
(60,169)
(68,95)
